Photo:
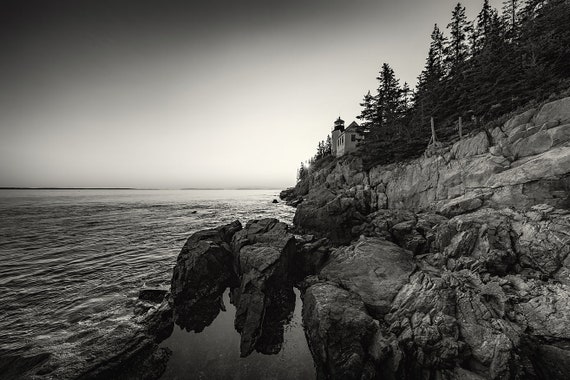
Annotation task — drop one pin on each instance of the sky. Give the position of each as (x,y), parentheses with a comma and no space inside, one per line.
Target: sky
(178,94)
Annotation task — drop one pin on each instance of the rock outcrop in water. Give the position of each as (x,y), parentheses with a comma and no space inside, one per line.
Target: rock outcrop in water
(264,300)
(255,263)
(203,271)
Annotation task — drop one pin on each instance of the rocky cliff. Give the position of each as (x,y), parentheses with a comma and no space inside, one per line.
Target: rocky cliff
(454,265)
(520,164)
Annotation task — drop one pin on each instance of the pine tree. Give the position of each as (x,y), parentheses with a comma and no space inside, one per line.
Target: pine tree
(437,49)
(366,116)
(406,98)
(530,9)
(387,99)
(459,30)
(386,121)
(302,172)
(483,26)
(511,9)
(328,146)
(434,68)
(426,97)
(320,150)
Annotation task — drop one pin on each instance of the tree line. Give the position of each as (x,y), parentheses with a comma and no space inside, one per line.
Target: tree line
(478,70)
(475,69)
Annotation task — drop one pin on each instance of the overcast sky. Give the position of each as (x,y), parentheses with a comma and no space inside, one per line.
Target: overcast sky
(218,93)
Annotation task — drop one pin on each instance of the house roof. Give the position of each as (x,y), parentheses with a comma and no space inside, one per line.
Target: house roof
(352,127)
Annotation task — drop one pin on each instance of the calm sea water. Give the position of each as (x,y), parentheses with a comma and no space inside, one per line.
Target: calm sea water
(72,262)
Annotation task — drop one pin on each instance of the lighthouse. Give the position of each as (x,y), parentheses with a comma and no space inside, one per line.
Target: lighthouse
(336,132)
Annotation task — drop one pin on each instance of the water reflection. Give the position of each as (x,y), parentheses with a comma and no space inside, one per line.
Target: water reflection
(214,353)
(278,313)
(201,314)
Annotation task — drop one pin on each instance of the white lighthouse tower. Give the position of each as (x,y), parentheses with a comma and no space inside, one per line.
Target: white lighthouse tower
(336,132)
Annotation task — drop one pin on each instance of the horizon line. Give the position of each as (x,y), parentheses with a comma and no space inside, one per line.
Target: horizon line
(135,188)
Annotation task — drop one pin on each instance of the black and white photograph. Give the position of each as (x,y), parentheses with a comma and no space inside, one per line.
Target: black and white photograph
(284,190)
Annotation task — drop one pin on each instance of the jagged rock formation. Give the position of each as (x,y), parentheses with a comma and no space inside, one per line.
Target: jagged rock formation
(522,163)
(254,262)
(204,269)
(488,300)
(477,280)
(264,299)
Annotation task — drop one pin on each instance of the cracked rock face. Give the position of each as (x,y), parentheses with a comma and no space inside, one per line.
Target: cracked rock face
(373,268)
(255,262)
(339,331)
(481,302)
(204,269)
(265,299)
(520,164)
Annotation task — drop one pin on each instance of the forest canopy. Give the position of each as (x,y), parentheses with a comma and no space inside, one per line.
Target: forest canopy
(475,69)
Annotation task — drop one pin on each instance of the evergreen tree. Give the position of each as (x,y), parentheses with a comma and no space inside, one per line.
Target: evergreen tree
(387,100)
(436,56)
(434,68)
(459,30)
(428,86)
(328,146)
(320,150)
(302,172)
(483,26)
(384,136)
(530,9)
(366,116)
(511,10)
(406,98)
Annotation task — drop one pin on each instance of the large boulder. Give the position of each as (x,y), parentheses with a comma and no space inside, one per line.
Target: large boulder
(542,238)
(263,251)
(541,141)
(558,110)
(518,120)
(478,144)
(373,268)
(339,332)
(482,239)
(499,241)
(553,165)
(331,215)
(204,269)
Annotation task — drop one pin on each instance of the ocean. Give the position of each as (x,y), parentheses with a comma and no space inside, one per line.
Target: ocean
(72,263)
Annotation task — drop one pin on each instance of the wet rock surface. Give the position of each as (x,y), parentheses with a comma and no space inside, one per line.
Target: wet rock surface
(264,299)
(204,269)
(256,263)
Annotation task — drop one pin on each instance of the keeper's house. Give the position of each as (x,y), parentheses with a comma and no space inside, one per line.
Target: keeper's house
(344,140)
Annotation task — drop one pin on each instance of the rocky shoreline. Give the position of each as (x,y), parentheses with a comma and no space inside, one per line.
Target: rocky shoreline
(452,266)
